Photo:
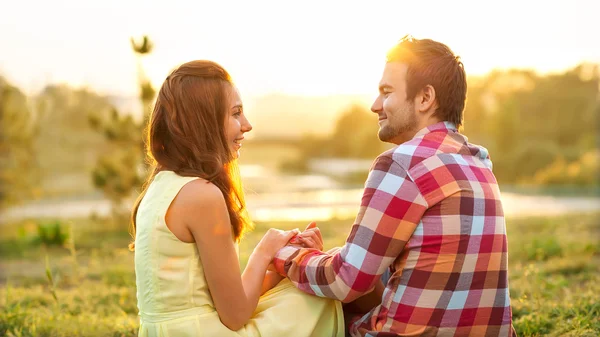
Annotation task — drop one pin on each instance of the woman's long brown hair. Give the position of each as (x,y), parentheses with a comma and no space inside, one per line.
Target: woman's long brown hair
(186,134)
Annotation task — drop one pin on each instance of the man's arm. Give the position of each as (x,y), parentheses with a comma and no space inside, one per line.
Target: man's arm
(391,208)
(310,238)
(367,302)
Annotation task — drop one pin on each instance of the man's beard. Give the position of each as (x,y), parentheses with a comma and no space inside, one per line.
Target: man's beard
(389,132)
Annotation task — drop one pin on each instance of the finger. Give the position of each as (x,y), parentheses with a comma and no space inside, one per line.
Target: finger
(314,229)
(309,243)
(290,234)
(311,225)
(313,243)
(317,232)
(314,234)
(320,236)
(308,234)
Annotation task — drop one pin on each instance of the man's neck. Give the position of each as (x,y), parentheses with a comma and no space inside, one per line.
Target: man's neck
(427,122)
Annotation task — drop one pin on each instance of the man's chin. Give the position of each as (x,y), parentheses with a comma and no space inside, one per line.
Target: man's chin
(384,136)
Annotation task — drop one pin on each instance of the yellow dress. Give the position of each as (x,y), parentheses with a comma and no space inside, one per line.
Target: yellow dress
(173,295)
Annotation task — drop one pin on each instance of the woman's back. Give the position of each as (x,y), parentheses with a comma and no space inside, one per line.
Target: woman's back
(169,273)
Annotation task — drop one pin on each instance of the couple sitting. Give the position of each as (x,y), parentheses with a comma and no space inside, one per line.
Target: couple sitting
(426,255)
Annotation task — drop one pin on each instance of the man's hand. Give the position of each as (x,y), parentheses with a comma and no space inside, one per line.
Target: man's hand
(310,238)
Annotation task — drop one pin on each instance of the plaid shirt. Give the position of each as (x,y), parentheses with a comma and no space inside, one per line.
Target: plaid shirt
(431,212)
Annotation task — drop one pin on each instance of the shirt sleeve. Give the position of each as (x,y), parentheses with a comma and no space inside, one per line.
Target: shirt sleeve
(391,208)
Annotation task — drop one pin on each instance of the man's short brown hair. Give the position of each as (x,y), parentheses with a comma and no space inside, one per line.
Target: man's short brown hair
(433,63)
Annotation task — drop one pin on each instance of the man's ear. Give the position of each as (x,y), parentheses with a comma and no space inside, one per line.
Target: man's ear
(426,100)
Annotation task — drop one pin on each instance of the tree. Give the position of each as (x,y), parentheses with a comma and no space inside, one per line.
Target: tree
(355,134)
(532,123)
(18,127)
(147,92)
(120,172)
(66,146)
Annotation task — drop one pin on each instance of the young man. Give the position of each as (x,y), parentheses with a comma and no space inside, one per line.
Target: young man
(431,214)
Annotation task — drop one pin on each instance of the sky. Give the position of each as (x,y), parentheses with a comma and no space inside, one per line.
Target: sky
(313,48)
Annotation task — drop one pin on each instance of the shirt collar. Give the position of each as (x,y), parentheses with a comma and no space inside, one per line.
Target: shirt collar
(441,126)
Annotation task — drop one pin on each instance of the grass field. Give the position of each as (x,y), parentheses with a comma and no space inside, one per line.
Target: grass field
(84,285)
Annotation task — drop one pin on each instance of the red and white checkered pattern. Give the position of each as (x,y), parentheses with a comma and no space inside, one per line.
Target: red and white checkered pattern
(431,212)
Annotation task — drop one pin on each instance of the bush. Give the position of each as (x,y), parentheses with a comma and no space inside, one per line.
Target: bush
(583,172)
(52,234)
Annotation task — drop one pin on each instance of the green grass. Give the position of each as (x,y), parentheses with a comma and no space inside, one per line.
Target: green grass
(554,277)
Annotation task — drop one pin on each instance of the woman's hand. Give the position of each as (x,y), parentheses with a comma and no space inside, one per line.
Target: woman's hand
(273,241)
(310,238)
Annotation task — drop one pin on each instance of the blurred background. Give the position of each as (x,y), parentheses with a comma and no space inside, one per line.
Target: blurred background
(78,79)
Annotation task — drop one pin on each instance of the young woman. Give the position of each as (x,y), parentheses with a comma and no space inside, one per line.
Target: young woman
(191,215)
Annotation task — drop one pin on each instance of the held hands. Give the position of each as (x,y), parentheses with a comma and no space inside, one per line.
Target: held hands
(310,238)
(274,240)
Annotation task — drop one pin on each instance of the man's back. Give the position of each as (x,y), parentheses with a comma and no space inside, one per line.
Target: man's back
(430,213)
(451,276)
